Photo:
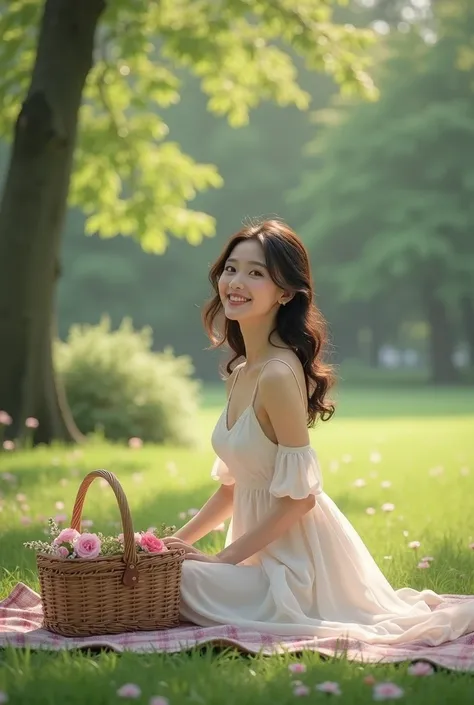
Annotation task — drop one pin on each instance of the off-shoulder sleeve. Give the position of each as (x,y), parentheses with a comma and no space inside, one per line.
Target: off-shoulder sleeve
(221,473)
(297,473)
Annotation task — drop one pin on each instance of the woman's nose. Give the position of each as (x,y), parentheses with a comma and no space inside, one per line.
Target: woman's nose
(235,282)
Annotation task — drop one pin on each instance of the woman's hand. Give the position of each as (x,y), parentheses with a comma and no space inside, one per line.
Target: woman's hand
(174,542)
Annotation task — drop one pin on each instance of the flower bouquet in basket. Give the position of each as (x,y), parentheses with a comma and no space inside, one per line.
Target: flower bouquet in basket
(94,584)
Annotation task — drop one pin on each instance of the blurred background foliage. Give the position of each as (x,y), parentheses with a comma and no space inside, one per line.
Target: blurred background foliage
(381,192)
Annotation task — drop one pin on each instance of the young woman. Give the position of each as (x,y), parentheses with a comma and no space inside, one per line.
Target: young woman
(292,563)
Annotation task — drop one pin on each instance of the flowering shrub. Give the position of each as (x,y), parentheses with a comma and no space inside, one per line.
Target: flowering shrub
(69,543)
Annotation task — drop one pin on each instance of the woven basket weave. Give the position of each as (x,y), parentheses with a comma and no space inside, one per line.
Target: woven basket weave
(110,594)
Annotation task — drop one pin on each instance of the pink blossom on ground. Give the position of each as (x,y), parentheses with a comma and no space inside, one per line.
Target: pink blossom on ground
(329,687)
(129,690)
(421,668)
(414,544)
(87,545)
(388,507)
(8,445)
(135,443)
(5,419)
(297,668)
(301,690)
(31,422)
(423,564)
(387,691)
(7,476)
(152,544)
(158,700)
(67,535)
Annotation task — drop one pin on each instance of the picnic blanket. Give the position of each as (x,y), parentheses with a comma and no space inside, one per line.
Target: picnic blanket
(21,619)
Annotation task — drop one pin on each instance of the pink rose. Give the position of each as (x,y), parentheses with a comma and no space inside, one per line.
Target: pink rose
(62,552)
(151,543)
(87,545)
(66,536)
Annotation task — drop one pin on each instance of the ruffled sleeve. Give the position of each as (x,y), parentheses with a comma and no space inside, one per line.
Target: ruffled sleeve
(297,473)
(221,473)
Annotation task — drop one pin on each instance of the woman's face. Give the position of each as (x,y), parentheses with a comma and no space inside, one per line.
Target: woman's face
(245,287)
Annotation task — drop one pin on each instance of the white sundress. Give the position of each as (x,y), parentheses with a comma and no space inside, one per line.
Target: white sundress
(316,580)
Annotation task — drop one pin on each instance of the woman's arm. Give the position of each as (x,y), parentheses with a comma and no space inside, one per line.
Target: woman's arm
(279,521)
(282,400)
(217,509)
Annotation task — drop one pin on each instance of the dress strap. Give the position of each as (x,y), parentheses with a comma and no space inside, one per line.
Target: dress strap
(237,370)
(277,359)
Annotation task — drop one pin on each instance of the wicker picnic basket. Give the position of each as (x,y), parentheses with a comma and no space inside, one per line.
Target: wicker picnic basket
(134,591)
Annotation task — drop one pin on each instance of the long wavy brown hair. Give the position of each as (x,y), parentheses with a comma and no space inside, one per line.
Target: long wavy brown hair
(300,324)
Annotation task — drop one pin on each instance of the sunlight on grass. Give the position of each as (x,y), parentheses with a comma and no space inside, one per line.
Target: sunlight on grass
(421,467)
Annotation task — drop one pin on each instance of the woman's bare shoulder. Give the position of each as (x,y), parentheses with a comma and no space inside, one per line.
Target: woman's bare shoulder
(229,380)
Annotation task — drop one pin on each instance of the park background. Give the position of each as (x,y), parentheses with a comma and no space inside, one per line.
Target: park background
(370,161)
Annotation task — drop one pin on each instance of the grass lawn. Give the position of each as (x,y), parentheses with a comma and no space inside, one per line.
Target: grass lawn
(420,441)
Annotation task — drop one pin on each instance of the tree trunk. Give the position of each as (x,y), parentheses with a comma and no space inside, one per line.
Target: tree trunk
(441,337)
(467,317)
(32,213)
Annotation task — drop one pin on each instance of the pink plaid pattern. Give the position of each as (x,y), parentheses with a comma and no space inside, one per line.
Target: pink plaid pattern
(21,617)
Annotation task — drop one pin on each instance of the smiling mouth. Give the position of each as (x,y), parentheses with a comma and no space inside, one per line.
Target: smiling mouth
(235,299)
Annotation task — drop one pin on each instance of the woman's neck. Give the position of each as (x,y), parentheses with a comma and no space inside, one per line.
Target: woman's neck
(257,347)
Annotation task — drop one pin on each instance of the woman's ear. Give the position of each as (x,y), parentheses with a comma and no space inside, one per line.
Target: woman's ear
(285,298)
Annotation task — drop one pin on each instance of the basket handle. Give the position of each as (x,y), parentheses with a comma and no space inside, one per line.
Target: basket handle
(130,576)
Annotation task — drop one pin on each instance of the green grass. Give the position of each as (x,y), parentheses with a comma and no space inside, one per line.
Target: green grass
(425,440)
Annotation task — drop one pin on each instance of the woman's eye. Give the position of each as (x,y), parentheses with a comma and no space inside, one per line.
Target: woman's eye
(228,268)
(255,271)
